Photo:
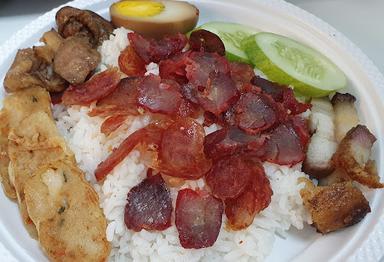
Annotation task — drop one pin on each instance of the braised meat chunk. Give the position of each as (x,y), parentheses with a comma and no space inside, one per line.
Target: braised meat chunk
(75,59)
(75,22)
(334,207)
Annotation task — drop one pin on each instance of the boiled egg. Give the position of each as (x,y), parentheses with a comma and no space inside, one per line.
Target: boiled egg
(154,18)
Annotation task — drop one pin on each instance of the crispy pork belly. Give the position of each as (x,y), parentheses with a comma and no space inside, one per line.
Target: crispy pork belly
(353,157)
(322,145)
(334,207)
(337,176)
(345,114)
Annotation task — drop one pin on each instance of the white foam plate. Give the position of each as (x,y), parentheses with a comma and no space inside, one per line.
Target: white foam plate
(362,242)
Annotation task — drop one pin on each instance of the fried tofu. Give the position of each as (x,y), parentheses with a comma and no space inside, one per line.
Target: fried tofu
(56,203)
(66,212)
(334,207)
(21,104)
(33,140)
(8,187)
(23,165)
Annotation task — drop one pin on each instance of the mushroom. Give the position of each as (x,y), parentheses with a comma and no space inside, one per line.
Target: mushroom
(75,22)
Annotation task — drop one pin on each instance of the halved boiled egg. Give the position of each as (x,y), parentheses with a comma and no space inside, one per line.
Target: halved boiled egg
(154,18)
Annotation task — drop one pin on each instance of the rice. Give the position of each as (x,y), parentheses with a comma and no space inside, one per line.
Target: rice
(111,48)
(90,147)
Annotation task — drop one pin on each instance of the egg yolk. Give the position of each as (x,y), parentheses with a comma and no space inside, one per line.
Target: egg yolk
(139,8)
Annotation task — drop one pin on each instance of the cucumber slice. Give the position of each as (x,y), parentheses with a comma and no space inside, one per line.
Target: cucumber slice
(289,62)
(232,35)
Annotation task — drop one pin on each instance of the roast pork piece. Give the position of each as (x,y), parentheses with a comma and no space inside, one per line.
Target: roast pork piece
(353,157)
(333,207)
(322,145)
(345,114)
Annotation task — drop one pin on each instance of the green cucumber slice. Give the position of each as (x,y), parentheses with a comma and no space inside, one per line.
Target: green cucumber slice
(232,35)
(289,62)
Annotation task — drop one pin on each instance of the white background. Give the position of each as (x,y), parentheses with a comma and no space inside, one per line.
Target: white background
(362,21)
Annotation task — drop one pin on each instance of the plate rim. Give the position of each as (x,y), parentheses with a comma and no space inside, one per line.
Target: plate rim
(372,248)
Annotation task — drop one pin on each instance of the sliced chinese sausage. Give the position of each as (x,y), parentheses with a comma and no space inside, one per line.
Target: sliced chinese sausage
(182,150)
(150,134)
(229,176)
(151,50)
(205,41)
(242,210)
(159,96)
(281,94)
(99,86)
(112,123)
(243,74)
(270,88)
(149,205)
(122,100)
(284,146)
(291,103)
(230,140)
(200,65)
(256,112)
(130,63)
(174,68)
(198,218)
(219,94)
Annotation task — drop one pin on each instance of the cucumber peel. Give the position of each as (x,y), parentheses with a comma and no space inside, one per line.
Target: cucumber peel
(289,62)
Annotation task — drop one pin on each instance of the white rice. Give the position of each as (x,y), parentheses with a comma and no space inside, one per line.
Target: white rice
(110,49)
(90,147)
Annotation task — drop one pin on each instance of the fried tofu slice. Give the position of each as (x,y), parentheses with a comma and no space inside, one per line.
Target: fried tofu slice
(16,108)
(33,140)
(334,207)
(8,187)
(37,131)
(22,166)
(66,212)
(353,157)
(21,104)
